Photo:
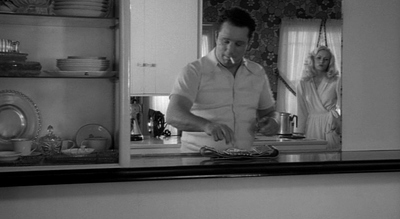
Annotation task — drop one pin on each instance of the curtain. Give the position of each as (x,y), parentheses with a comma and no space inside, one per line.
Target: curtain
(298,37)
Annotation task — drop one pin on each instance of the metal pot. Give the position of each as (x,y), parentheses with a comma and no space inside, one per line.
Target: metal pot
(286,123)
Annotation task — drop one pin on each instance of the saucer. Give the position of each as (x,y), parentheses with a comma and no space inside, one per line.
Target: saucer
(33,154)
(9,156)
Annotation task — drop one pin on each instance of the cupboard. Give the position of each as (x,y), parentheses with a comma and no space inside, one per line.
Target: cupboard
(70,102)
(164,38)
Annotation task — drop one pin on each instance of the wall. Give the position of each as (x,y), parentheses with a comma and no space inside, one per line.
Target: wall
(366,196)
(359,196)
(371,52)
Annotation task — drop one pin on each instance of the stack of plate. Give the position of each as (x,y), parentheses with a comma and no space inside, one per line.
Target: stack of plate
(82,63)
(12,56)
(85,8)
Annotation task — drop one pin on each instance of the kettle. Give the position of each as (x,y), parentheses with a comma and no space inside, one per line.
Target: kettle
(286,123)
(156,124)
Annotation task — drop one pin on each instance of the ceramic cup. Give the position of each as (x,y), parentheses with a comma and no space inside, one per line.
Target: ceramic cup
(67,144)
(23,146)
(97,143)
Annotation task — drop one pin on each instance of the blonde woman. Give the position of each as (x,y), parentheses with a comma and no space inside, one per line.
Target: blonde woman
(318,98)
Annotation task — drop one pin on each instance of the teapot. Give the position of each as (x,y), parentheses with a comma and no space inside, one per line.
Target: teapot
(286,123)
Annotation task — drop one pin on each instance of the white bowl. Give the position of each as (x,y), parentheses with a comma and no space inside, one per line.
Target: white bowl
(78,68)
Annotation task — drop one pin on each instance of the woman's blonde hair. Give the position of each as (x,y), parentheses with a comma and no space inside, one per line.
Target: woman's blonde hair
(309,70)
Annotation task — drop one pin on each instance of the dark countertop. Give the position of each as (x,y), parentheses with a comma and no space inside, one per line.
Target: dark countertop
(194,166)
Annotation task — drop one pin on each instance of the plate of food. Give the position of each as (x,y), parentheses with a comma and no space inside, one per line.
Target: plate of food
(19,117)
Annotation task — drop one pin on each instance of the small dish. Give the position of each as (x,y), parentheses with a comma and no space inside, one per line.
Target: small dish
(9,156)
(93,130)
(77,152)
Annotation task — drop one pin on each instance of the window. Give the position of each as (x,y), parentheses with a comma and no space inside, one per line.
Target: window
(207,39)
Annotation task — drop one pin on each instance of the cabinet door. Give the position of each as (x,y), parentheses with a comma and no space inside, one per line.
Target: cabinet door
(164,39)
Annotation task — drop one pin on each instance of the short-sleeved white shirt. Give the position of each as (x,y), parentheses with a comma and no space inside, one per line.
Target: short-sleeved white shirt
(220,97)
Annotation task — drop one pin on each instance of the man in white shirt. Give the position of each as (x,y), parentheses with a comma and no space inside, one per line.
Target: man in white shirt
(222,99)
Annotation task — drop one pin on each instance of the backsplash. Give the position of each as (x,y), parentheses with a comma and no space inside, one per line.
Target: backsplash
(268,13)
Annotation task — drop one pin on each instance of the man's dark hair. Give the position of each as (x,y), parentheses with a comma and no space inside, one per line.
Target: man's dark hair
(237,17)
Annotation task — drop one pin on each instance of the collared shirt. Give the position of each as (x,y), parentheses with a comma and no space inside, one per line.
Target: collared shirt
(220,97)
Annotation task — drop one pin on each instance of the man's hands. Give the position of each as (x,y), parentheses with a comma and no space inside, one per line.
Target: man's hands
(179,116)
(220,132)
(268,126)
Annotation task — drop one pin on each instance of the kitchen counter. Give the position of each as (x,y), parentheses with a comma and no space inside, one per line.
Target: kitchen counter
(195,166)
(151,145)
(171,145)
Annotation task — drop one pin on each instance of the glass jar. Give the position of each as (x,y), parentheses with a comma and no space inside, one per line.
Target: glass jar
(50,144)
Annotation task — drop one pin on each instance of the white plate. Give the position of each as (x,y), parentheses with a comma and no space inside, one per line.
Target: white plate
(82,63)
(78,152)
(82,74)
(80,12)
(101,1)
(87,57)
(93,130)
(82,68)
(80,7)
(88,3)
(76,3)
(9,156)
(19,116)
(83,60)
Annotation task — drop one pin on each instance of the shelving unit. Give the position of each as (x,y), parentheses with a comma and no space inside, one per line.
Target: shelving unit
(68,103)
